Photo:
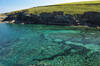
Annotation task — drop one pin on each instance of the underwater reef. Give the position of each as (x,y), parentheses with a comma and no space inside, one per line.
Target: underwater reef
(31,47)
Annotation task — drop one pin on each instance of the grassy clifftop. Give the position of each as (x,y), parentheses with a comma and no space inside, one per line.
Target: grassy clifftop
(67,8)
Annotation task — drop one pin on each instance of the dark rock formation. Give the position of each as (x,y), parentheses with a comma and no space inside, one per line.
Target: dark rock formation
(56,18)
(78,50)
(92,18)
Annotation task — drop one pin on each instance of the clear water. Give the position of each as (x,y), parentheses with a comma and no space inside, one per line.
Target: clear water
(40,45)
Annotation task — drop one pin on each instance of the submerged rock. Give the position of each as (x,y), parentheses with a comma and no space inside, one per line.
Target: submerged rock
(51,47)
(58,40)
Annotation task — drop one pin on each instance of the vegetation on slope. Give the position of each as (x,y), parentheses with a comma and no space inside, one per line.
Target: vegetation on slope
(69,8)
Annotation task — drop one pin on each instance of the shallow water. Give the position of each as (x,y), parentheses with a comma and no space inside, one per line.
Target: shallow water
(40,45)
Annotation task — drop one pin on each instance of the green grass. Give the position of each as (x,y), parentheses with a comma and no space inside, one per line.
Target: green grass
(67,8)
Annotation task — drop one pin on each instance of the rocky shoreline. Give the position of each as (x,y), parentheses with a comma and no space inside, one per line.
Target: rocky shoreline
(2,17)
(91,19)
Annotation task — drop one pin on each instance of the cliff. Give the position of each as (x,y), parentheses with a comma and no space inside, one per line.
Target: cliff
(82,13)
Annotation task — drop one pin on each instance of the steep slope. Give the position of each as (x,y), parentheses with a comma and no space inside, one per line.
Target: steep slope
(67,8)
(81,13)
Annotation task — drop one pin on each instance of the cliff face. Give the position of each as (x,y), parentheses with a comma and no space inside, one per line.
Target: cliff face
(56,18)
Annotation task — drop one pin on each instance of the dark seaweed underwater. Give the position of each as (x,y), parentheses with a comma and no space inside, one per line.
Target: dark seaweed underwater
(41,45)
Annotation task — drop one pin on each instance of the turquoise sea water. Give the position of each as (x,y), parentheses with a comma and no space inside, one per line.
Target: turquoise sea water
(40,45)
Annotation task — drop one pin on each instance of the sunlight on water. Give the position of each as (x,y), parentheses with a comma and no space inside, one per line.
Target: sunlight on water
(39,45)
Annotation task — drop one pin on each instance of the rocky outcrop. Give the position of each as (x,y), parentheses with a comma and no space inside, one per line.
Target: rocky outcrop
(2,17)
(56,18)
(92,18)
